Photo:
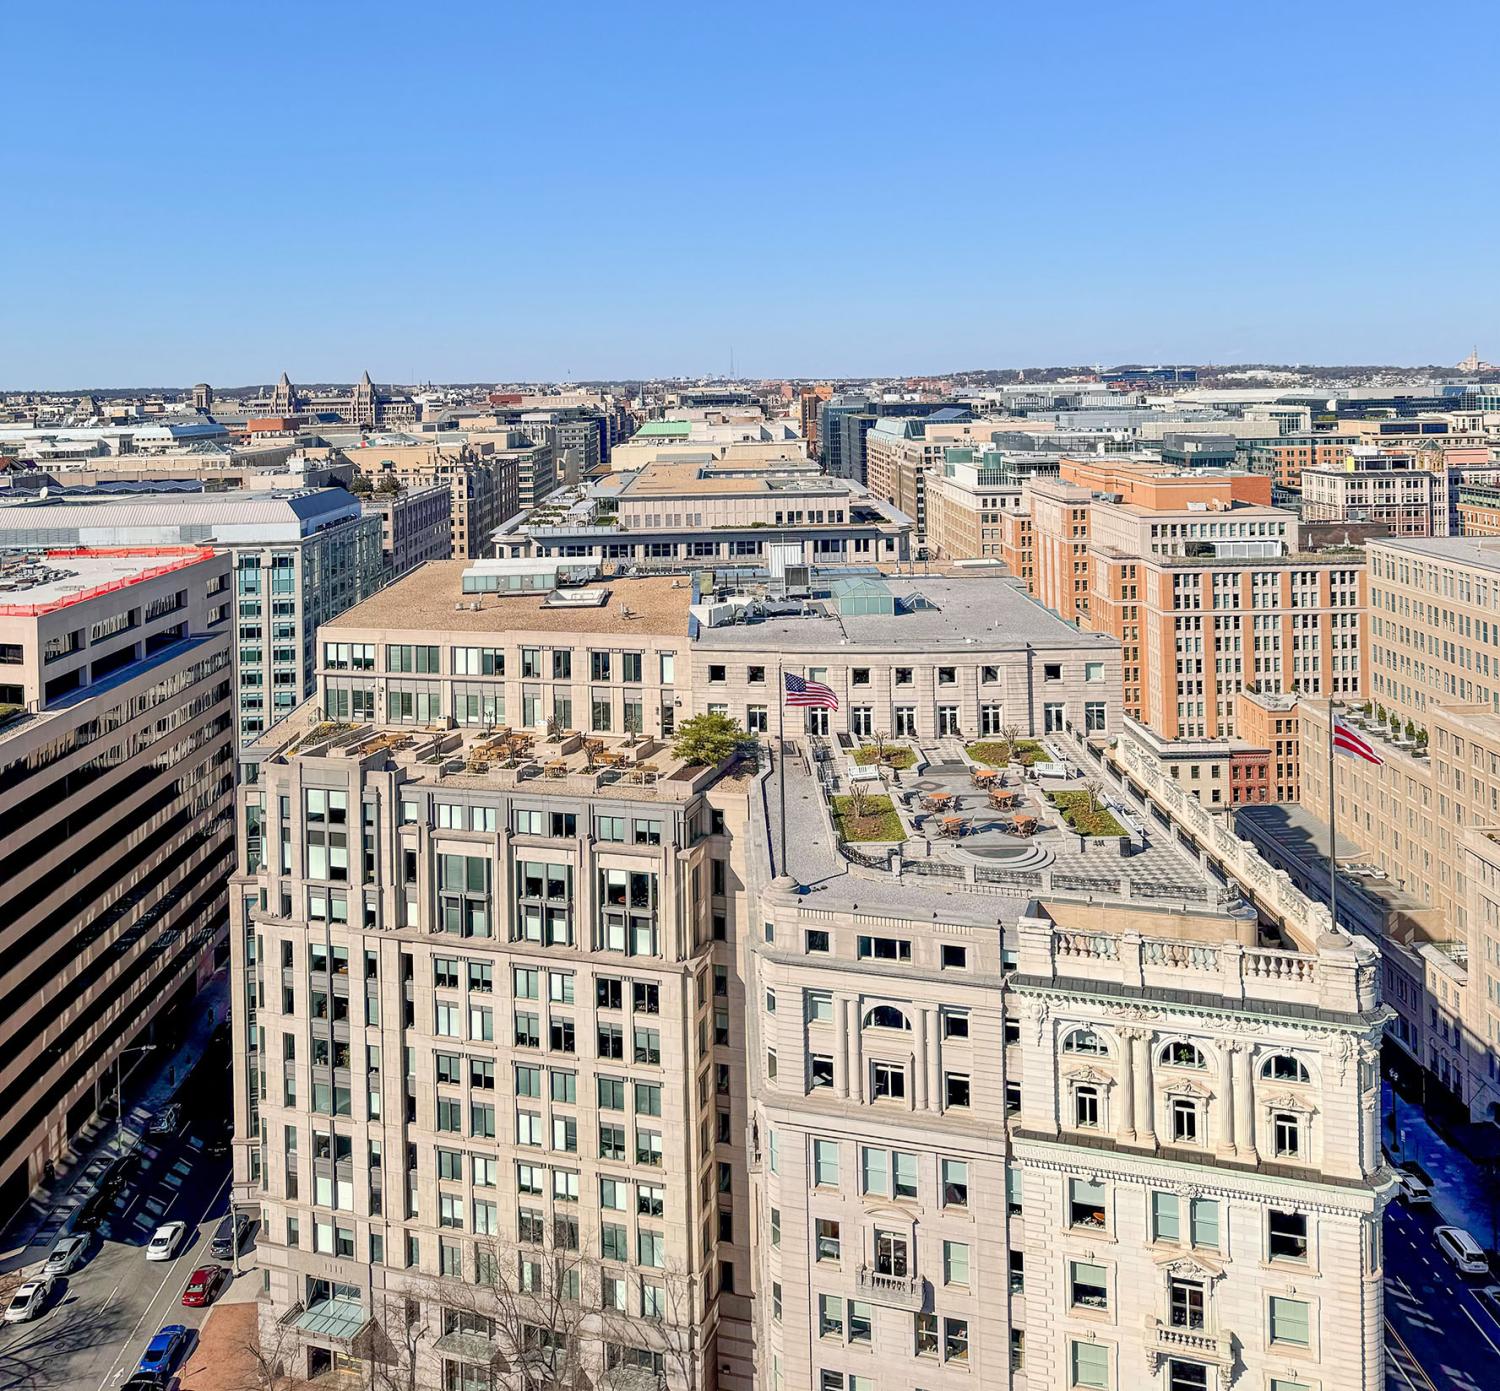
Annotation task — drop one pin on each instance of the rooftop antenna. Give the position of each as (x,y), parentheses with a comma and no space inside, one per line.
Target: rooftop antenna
(731,362)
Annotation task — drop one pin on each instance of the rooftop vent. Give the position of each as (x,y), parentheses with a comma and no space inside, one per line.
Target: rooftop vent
(577,599)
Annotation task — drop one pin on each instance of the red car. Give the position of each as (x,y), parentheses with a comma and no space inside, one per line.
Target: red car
(203,1286)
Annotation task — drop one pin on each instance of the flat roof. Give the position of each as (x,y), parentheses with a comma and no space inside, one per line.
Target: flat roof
(988,612)
(34,583)
(1482,551)
(432,599)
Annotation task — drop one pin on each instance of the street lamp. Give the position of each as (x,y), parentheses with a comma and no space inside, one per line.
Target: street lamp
(119,1072)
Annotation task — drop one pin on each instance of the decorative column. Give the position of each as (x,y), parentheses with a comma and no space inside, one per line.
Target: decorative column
(841,1046)
(1244,1102)
(1125,1129)
(856,1060)
(1145,1095)
(919,1059)
(934,1065)
(1229,1140)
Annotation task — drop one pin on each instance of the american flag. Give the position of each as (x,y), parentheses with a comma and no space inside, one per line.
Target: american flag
(1346,740)
(809,693)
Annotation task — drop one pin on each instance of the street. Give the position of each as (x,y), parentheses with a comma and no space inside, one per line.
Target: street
(103,1314)
(1439,1335)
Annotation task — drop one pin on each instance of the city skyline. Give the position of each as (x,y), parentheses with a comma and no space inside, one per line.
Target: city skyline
(659,190)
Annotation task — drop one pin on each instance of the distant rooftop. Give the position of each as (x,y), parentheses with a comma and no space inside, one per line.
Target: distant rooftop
(33,583)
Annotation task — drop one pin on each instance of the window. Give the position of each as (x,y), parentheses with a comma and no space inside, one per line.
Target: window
(955,1023)
(886,1017)
(1183,1054)
(953,957)
(826,1239)
(926,1330)
(1088,1365)
(887,1081)
(1184,1120)
(1086,1108)
(1286,1134)
(955,1182)
(1290,1321)
(819,1007)
(826,1163)
(884,949)
(955,1263)
(1286,1235)
(1085,1203)
(872,1170)
(1088,1285)
(1203,1217)
(820,1070)
(1186,1376)
(1166,1224)
(955,1090)
(955,1340)
(1185,1303)
(1085,1041)
(830,1316)
(1282,1067)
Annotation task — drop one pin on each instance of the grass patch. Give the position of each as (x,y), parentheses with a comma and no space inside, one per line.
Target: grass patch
(1075,809)
(896,756)
(992,752)
(880,821)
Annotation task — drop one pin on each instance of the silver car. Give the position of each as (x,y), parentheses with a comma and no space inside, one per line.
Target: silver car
(67,1255)
(29,1300)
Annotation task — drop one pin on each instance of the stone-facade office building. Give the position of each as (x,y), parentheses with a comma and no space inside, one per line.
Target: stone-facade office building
(116,791)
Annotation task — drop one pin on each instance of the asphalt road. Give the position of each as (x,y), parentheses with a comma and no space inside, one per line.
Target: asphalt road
(1440,1336)
(102,1315)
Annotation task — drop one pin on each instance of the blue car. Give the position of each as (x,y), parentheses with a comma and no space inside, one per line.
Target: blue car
(163,1352)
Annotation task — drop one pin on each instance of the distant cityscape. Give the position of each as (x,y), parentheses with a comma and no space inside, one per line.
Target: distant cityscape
(988,879)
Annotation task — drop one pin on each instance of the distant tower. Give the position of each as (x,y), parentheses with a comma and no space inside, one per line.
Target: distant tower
(362,402)
(203,398)
(284,400)
(1472,362)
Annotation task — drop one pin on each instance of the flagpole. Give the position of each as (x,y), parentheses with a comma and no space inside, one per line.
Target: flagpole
(1333,839)
(781,757)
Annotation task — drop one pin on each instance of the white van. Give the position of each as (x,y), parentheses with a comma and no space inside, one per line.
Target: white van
(1460,1248)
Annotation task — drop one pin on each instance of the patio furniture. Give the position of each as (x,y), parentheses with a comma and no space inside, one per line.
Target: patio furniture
(1025,824)
(937,801)
(556,768)
(982,777)
(1003,798)
(952,827)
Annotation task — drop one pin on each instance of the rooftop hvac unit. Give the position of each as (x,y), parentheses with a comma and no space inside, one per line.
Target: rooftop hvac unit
(798,579)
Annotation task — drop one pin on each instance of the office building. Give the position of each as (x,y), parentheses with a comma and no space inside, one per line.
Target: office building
(116,792)
(416,524)
(547,1010)
(688,515)
(900,452)
(846,420)
(1390,488)
(299,558)
(364,405)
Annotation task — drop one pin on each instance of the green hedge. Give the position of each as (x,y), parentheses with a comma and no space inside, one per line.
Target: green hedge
(881,823)
(992,752)
(1075,809)
(896,756)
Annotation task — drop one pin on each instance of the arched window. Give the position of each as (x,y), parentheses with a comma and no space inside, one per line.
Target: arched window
(885,1017)
(1283,1067)
(1181,1053)
(1085,1041)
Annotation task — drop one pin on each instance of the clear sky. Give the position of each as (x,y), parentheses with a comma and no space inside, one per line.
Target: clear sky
(498,191)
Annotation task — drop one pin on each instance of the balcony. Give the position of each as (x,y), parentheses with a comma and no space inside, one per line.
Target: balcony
(894,1291)
(1164,1340)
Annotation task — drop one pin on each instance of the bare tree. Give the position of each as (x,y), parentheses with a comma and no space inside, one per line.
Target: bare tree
(1093,791)
(1009,736)
(880,741)
(858,801)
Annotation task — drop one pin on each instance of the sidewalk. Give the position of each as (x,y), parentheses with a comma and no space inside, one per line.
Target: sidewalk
(146,1089)
(1457,1186)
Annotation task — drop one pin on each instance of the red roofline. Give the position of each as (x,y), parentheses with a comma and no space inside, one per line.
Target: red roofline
(182,557)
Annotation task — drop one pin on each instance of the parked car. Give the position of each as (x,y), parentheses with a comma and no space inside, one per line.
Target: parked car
(29,1300)
(1461,1248)
(164,1240)
(163,1352)
(67,1254)
(203,1285)
(165,1121)
(229,1236)
(1489,1296)
(1412,1187)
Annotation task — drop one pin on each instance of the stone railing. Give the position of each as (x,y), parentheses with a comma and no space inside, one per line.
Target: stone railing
(1226,969)
(895,1291)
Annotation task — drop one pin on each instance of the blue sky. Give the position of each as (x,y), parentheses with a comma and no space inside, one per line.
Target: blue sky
(514,191)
